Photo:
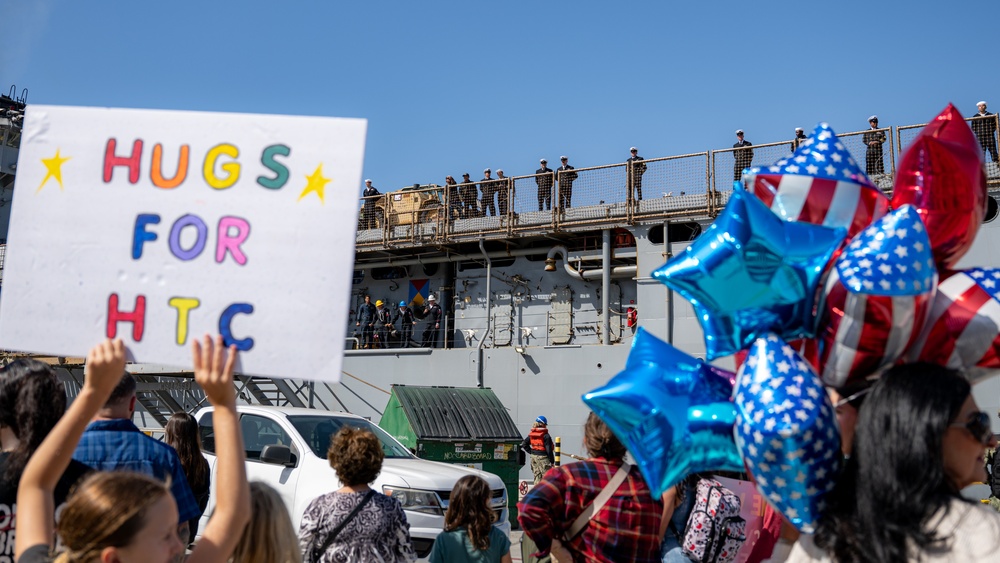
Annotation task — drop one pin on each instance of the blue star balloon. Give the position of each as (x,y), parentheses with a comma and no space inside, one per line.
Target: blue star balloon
(751,273)
(787,431)
(673,413)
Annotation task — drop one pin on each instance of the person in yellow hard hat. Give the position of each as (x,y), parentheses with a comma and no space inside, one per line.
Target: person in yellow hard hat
(383,323)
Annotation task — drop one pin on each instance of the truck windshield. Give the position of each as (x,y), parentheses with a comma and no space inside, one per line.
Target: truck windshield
(317,430)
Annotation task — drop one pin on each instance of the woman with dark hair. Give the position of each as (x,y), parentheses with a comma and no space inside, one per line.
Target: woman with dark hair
(181,432)
(919,440)
(355,523)
(627,528)
(31,401)
(469,535)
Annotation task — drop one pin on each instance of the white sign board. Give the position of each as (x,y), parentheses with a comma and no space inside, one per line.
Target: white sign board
(161,226)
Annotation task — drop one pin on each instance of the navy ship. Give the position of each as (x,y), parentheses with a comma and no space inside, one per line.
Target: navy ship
(541,293)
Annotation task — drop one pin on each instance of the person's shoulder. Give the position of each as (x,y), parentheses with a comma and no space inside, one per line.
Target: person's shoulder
(973,533)
(322,502)
(972,518)
(386,502)
(498,535)
(806,551)
(35,554)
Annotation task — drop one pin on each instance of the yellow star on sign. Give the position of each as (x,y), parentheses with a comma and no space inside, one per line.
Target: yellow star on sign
(316,183)
(54,166)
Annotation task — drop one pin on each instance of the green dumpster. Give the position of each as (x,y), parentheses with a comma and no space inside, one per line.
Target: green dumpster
(460,425)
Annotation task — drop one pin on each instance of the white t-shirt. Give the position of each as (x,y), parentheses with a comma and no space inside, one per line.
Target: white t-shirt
(971,532)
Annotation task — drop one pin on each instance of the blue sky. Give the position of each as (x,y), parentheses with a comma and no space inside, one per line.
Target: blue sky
(452,87)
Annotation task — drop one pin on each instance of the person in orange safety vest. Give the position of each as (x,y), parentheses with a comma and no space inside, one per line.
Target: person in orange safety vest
(539,445)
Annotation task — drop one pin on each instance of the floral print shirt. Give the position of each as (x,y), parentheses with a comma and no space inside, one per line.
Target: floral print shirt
(377,534)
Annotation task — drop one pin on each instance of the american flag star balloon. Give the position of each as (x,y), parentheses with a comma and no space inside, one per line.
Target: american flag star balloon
(786,431)
(941,174)
(877,298)
(673,412)
(750,273)
(820,184)
(963,327)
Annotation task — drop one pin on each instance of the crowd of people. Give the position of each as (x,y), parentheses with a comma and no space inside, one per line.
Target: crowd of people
(912,441)
(138,500)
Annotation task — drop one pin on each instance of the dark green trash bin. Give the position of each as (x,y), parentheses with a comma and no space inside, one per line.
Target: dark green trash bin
(460,425)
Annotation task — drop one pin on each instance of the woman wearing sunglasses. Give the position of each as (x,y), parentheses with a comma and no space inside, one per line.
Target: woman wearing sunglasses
(919,440)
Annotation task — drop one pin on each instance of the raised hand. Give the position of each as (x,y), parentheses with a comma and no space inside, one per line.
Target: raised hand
(105,367)
(213,370)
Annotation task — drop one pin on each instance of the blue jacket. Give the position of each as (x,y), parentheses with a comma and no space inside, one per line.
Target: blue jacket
(118,445)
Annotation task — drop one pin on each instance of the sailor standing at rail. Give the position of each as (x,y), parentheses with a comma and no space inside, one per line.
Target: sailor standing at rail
(545,178)
(800,136)
(405,315)
(432,312)
(488,189)
(984,125)
(743,155)
(368,212)
(468,192)
(384,322)
(566,178)
(366,320)
(636,168)
(873,140)
(539,445)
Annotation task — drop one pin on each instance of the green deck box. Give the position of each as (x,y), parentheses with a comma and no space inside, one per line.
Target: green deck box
(460,425)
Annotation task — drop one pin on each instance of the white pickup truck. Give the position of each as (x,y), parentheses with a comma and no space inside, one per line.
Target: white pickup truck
(286,448)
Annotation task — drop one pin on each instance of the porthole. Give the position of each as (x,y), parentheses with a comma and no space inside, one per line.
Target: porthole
(991,209)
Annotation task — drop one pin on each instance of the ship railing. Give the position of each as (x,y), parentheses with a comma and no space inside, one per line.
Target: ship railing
(671,186)
(689,185)
(596,195)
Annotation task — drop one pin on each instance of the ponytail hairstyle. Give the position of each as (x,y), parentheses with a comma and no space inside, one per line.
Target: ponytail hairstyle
(107,510)
(31,402)
(181,432)
(469,507)
(270,536)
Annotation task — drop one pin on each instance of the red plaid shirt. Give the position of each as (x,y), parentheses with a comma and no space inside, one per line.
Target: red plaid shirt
(626,529)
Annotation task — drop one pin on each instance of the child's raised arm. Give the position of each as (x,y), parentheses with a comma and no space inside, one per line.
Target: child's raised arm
(35,504)
(213,370)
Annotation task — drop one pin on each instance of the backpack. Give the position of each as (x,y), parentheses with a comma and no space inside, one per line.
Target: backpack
(715,531)
(993,475)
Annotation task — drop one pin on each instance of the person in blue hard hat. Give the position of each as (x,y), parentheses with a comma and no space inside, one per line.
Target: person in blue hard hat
(539,446)
(404,316)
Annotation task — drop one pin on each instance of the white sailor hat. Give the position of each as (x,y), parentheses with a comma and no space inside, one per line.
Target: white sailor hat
(633,149)
(799,130)
(873,118)
(542,160)
(980,103)
(499,170)
(739,131)
(485,170)
(563,157)
(368,181)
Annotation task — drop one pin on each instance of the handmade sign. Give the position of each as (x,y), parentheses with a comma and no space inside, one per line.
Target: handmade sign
(160,226)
